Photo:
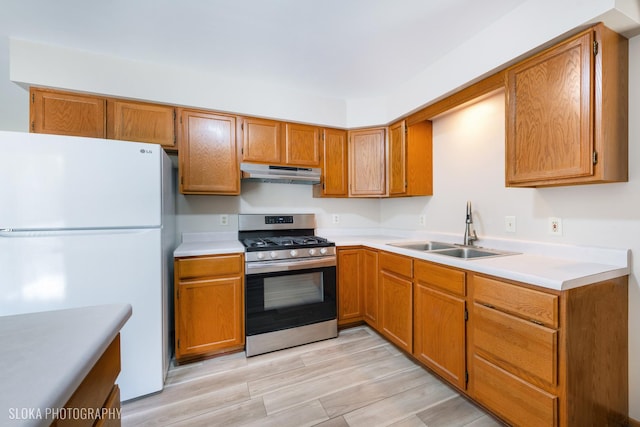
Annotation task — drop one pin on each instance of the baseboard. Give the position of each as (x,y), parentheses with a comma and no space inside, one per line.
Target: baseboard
(633,423)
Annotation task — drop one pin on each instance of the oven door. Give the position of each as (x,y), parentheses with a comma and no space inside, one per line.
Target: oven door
(277,300)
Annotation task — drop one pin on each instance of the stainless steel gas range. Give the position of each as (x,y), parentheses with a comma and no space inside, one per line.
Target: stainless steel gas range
(290,275)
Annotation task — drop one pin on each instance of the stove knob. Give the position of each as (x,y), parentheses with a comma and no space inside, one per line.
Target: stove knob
(293,253)
(323,251)
(273,254)
(260,255)
(312,252)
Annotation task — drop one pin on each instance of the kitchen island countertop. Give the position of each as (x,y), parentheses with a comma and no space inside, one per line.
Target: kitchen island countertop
(46,355)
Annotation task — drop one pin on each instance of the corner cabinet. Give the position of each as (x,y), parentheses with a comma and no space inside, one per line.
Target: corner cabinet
(410,159)
(335,166)
(208,155)
(209,305)
(567,113)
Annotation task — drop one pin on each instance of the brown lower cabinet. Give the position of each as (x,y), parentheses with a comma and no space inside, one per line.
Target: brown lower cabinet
(396,299)
(357,285)
(439,320)
(209,305)
(532,356)
(97,394)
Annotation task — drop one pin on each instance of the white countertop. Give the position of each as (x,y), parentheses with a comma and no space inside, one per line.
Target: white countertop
(558,267)
(196,244)
(552,266)
(46,355)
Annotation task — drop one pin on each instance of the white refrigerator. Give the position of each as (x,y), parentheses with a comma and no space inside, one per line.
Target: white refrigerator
(87,221)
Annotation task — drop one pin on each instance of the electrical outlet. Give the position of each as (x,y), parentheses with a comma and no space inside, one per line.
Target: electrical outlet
(335,218)
(422,220)
(224,219)
(510,224)
(555,226)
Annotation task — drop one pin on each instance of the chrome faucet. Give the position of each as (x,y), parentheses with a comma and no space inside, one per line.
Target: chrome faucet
(470,235)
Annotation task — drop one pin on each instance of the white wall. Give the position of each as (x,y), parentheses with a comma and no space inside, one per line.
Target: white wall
(202,213)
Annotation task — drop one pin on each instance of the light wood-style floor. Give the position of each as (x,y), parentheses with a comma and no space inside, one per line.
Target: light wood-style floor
(357,379)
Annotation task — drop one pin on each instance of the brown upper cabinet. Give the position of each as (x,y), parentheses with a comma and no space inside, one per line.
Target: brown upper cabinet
(566,113)
(65,113)
(302,145)
(208,155)
(410,159)
(142,122)
(367,163)
(278,143)
(335,166)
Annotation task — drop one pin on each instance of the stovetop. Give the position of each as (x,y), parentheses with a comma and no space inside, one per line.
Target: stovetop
(284,242)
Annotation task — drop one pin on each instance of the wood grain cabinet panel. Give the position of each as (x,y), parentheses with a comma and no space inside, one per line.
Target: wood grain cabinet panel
(350,287)
(209,305)
(302,145)
(513,399)
(397,159)
(370,287)
(439,320)
(396,299)
(367,163)
(261,141)
(65,113)
(208,155)
(335,166)
(566,113)
(143,122)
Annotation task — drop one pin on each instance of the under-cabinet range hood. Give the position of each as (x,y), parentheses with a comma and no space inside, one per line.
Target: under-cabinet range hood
(279,174)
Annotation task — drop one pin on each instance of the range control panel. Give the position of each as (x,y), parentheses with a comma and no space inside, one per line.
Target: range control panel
(279,219)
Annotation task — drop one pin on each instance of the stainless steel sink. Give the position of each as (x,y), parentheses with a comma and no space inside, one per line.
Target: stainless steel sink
(451,249)
(470,253)
(424,246)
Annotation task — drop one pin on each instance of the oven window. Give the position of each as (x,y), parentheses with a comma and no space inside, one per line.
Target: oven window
(292,290)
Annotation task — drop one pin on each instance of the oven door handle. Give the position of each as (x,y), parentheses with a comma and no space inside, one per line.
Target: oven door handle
(275,266)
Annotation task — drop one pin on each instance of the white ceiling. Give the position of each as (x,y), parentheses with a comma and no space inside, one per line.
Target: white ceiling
(335,48)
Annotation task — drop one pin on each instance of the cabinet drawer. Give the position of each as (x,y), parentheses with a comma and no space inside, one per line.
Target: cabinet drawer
(527,303)
(222,265)
(396,264)
(517,345)
(516,401)
(442,277)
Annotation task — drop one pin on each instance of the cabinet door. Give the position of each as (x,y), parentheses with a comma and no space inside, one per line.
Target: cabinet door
(550,129)
(349,286)
(208,154)
(397,159)
(63,113)
(439,332)
(209,315)
(370,287)
(136,121)
(396,309)
(302,145)
(261,141)
(367,160)
(335,169)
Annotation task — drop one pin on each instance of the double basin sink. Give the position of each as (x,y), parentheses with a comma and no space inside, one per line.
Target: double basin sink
(451,249)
